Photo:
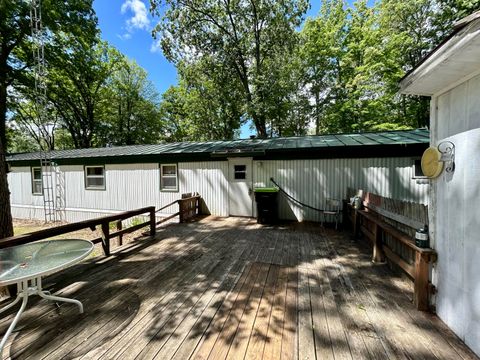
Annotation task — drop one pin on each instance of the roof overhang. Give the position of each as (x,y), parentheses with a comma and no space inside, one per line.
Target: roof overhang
(338,152)
(455,59)
(367,144)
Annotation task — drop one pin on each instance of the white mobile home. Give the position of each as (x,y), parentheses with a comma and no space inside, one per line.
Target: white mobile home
(93,182)
(451,76)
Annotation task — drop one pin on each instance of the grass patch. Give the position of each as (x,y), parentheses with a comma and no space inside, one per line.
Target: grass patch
(20,230)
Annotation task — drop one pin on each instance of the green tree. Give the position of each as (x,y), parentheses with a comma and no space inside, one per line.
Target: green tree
(19,141)
(96,94)
(288,106)
(16,43)
(174,113)
(213,100)
(361,63)
(409,34)
(25,116)
(409,31)
(15,59)
(449,12)
(77,75)
(322,47)
(130,109)
(353,58)
(244,36)
(205,105)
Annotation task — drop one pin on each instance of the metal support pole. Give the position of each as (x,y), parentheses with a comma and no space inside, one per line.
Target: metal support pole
(46,295)
(24,291)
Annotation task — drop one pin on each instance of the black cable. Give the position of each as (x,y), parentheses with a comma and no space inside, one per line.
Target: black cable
(295,200)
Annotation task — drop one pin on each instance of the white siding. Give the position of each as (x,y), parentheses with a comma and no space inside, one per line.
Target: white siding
(130,186)
(312,181)
(455,211)
(209,179)
(20,184)
(458,110)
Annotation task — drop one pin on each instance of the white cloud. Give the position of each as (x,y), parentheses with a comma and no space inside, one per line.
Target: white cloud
(140,19)
(156,47)
(125,36)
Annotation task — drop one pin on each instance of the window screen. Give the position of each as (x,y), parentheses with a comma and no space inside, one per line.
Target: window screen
(168,177)
(240,172)
(95,177)
(37,181)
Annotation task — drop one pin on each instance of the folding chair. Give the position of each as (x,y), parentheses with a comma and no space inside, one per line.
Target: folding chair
(332,208)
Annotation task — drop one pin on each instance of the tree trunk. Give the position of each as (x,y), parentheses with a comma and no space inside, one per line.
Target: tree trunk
(317,113)
(3,100)
(6,224)
(260,125)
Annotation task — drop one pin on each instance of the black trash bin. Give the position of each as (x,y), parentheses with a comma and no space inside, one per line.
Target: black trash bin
(267,205)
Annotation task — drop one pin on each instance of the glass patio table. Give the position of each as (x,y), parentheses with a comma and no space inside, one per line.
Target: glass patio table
(25,265)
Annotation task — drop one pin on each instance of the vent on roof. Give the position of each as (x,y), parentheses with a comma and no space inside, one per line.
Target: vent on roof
(238,151)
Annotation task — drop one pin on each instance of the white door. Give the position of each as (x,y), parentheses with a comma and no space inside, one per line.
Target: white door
(240,189)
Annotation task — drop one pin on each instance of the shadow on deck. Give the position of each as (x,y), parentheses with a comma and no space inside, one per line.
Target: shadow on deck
(230,288)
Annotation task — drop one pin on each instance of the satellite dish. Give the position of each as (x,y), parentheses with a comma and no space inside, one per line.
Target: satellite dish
(432,165)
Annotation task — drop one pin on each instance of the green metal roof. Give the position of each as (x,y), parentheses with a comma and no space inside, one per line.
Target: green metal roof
(185,151)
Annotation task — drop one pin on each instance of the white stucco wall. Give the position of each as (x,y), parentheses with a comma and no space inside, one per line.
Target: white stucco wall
(455,211)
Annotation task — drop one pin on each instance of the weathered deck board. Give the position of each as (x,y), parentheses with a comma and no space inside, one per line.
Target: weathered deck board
(36,316)
(256,343)
(273,341)
(231,289)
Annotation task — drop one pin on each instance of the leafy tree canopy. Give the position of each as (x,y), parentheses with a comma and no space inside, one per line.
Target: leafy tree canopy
(244,38)
(338,72)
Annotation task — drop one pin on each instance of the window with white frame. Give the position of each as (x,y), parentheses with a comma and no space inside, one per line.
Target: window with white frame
(95,177)
(168,177)
(37,188)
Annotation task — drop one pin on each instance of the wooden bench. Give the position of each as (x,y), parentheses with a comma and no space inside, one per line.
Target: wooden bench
(370,224)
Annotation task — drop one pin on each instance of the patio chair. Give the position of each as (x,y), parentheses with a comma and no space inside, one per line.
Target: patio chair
(332,208)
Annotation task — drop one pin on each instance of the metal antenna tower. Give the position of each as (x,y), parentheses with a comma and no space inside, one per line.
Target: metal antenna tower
(38,46)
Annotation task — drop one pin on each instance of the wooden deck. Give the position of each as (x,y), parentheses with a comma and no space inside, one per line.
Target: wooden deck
(229,288)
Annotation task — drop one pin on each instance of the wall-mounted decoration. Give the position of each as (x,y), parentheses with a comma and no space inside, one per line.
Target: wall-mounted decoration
(447,149)
(435,159)
(432,165)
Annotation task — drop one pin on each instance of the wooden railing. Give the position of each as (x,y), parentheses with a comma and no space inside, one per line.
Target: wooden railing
(103,222)
(188,208)
(392,237)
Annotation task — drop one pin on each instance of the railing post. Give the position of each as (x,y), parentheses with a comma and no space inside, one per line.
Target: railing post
(153,225)
(420,296)
(106,238)
(181,211)
(378,255)
(192,208)
(356,223)
(120,237)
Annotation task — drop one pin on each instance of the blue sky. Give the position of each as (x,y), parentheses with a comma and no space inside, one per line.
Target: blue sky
(127,25)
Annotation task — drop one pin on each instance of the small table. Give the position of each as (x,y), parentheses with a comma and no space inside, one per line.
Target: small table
(25,265)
